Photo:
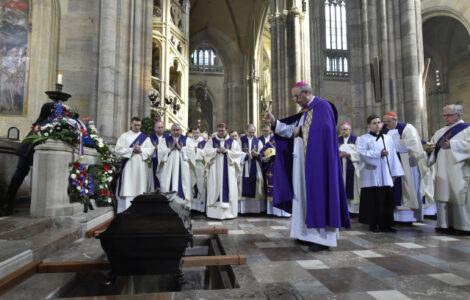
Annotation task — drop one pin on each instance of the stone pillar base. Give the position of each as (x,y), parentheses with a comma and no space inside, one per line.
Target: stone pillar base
(52,162)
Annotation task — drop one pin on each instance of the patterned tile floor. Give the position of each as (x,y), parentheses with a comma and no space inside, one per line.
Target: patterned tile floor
(413,263)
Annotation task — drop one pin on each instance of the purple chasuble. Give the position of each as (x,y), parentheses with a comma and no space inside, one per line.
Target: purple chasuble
(349,168)
(326,201)
(268,169)
(181,142)
(140,140)
(154,140)
(225,185)
(249,183)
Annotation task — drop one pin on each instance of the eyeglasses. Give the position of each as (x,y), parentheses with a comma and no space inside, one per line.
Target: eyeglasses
(448,115)
(295,97)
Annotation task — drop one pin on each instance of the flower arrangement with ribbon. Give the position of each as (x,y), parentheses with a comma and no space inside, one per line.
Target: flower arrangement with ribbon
(81,185)
(57,130)
(105,172)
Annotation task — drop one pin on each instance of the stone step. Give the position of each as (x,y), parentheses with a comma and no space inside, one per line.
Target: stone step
(22,227)
(51,240)
(47,286)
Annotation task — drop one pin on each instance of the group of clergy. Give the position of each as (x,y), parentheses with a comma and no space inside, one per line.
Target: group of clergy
(307,172)
(392,175)
(221,176)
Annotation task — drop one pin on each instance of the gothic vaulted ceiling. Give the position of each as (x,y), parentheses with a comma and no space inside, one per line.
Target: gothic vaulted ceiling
(237,19)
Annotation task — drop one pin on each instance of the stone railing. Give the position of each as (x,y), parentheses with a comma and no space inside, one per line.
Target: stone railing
(52,162)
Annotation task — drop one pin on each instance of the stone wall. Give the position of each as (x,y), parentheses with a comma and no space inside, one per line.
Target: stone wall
(8,161)
(459,87)
(78,52)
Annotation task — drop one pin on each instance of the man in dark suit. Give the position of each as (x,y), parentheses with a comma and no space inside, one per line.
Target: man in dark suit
(25,154)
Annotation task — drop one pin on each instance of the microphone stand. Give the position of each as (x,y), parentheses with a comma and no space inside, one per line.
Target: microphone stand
(381,135)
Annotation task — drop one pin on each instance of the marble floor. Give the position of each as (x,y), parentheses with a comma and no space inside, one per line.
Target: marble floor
(413,263)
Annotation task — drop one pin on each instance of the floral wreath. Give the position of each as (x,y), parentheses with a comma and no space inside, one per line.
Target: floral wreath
(85,183)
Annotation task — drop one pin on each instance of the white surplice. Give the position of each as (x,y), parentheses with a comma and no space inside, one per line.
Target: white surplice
(256,204)
(353,204)
(323,236)
(134,179)
(375,170)
(414,185)
(452,180)
(215,167)
(170,162)
(199,201)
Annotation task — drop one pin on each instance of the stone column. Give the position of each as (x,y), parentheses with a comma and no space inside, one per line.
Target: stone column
(356,67)
(410,60)
(366,60)
(290,63)
(384,56)
(124,66)
(316,42)
(43,48)
(106,95)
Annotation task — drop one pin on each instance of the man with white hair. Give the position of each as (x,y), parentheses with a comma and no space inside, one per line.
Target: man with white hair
(451,160)
(176,158)
(252,184)
(350,160)
(409,190)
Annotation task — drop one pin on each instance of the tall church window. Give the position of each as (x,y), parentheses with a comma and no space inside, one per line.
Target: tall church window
(336,39)
(204,59)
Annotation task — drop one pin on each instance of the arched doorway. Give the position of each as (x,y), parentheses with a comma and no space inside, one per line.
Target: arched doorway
(206,87)
(447,45)
(201,111)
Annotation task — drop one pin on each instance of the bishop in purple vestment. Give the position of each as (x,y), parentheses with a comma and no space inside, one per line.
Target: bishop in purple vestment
(308,158)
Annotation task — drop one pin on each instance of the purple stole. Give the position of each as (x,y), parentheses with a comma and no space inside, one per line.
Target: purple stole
(326,199)
(264,140)
(140,139)
(349,168)
(201,144)
(154,140)
(249,183)
(398,184)
(225,186)
(449,134)
(182,142)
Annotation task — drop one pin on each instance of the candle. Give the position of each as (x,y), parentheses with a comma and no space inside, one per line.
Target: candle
(59,78)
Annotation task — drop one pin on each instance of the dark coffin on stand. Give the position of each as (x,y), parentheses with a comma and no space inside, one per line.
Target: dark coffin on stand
(150,237)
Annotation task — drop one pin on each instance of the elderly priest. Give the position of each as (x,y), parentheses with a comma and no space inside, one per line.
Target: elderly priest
(222,155)
(135,149)
(177,159)
(451,160)
(308,146)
